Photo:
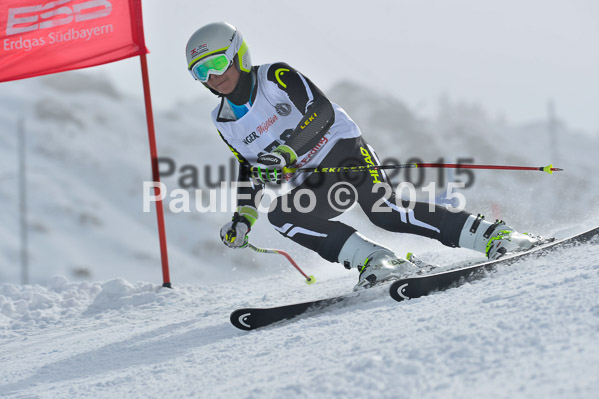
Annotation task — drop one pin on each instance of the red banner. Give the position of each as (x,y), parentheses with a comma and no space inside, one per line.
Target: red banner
(38,37)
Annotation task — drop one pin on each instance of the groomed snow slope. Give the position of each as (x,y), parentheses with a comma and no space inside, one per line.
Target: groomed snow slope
(526,331)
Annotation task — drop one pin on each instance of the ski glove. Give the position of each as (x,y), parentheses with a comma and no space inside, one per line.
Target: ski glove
(234,234)
(281,157)
(261,175)
(270,168)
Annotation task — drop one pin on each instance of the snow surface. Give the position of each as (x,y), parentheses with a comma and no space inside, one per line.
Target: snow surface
(527,331)
(84,329)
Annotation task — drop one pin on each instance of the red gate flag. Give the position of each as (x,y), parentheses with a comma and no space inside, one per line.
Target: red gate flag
(38,37)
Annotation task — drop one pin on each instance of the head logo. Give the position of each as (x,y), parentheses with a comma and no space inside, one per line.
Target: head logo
(283,109)
(368,159)
(401,291)
(54,13)
(243,320)
(280,72)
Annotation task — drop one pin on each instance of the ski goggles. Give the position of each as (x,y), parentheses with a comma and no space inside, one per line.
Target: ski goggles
(213,65)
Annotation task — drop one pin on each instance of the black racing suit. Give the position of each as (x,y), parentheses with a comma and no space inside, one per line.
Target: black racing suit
(315,229)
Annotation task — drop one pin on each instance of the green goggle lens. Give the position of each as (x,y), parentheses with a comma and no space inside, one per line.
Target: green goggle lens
(216,65)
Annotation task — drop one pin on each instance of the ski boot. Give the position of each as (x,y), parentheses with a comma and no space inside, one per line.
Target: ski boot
(497,239)
(374,262)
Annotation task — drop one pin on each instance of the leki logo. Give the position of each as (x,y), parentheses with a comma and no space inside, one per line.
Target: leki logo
(55,13)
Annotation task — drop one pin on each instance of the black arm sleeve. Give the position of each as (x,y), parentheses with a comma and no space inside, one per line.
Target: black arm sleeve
(246,193)
(318,111)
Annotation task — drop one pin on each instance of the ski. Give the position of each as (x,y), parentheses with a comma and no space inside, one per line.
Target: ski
(251,318)
(415,287)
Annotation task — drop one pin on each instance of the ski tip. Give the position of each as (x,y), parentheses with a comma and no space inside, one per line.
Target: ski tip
(241,318)
(311,280)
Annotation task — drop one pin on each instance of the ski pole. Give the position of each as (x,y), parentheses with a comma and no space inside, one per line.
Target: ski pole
(549,168)
(309,279)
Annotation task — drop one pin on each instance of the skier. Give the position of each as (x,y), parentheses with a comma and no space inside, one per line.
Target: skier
(271,117)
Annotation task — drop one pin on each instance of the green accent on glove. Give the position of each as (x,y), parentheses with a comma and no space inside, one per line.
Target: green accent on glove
(286,150)
(249,212)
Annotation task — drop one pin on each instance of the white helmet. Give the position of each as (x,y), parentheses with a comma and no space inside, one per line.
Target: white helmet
(206,47)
